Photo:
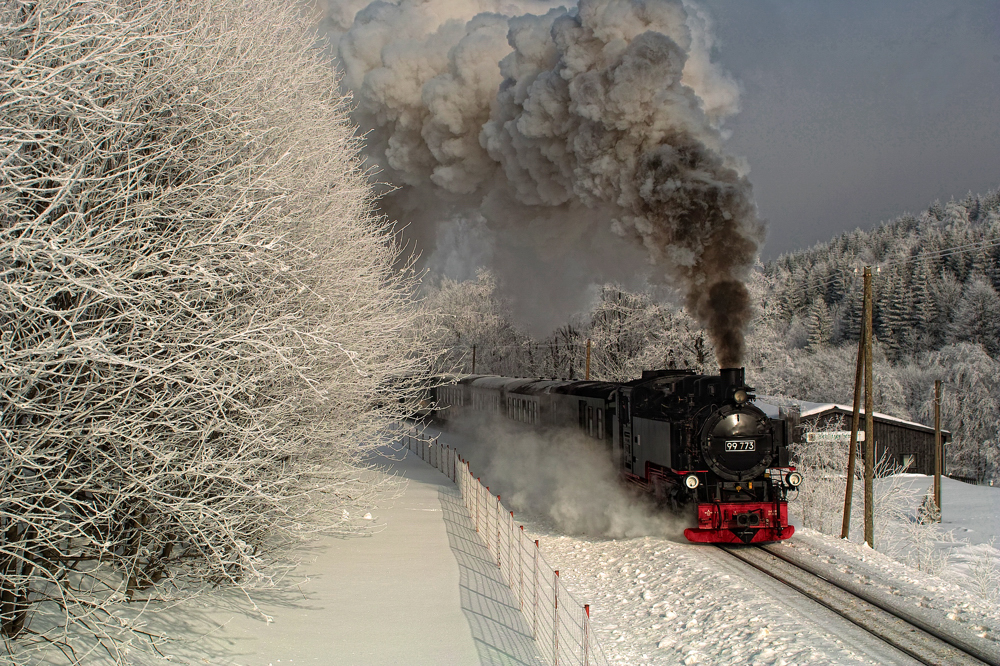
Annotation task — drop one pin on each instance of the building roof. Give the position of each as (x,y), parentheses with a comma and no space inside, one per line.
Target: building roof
(814,409)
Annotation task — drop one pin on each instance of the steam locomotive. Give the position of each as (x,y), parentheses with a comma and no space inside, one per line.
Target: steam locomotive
(681,436)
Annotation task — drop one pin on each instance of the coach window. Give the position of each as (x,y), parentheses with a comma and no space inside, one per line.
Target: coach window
(600,424)
(590,421)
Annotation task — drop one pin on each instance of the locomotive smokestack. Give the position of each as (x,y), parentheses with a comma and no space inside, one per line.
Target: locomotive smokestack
(732,378)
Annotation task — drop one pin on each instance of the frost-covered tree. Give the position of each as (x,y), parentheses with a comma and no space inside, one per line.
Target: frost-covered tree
(200,318)
(820,325)
(632,332)
(977,317)
(475,317)
(970,407)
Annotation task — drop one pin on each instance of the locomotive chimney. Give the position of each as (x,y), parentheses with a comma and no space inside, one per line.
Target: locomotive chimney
(732,378)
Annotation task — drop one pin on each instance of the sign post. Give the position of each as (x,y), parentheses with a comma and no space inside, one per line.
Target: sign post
(835,436)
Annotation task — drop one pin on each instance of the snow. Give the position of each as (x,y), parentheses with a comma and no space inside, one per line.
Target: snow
(658,599)
(422,591)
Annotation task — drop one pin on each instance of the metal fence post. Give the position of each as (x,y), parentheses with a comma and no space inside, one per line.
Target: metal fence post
(534,611)
(499,565)
(586,635)
(520,567)
(555,621)
(510,551)
(478,485)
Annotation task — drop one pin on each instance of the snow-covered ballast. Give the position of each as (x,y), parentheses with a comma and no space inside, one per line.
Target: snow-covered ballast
(682,437)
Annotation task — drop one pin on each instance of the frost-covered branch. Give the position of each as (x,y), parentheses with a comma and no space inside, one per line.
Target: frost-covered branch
(202,331)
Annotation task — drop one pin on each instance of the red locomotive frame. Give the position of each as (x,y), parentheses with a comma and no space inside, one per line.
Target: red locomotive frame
(741,522)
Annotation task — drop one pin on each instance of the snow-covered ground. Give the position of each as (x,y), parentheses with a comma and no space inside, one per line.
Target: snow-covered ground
(658,599)
(661,600)
(417,592)
(422,591)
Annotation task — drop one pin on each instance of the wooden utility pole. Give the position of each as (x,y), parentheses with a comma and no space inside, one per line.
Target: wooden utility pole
(473,359)
(938,452)
(852,455)
(869,418)
(586,372)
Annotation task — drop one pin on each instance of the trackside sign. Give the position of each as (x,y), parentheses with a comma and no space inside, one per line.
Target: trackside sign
(834,436)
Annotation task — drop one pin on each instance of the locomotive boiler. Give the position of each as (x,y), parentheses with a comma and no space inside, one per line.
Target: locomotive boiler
(684,437)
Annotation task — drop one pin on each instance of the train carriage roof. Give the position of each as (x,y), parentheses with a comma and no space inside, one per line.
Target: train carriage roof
(535,386)
(587,389)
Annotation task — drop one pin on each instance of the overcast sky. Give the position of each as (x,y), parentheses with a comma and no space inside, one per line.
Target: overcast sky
(856,112)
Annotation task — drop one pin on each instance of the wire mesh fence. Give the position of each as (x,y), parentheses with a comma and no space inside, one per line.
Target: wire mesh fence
(559,624)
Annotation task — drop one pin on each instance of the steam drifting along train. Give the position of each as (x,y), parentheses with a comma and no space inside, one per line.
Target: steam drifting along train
(681,436)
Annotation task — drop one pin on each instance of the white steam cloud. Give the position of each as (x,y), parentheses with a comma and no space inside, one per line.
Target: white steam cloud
(583,137)
(563,478)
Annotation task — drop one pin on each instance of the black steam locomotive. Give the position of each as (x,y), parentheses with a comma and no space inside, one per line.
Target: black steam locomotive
(681,436)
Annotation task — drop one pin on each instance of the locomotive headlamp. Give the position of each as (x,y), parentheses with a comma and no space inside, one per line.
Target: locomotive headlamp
(691,481)
(740,397)
(794,479)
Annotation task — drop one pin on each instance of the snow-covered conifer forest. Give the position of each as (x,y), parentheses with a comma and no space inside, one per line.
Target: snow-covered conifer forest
(936,316)
(201,316)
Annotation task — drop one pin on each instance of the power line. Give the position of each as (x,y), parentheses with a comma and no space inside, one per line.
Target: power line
(939,254)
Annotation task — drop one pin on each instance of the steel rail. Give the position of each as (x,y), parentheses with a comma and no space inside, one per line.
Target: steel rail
(980,652)
(934,648)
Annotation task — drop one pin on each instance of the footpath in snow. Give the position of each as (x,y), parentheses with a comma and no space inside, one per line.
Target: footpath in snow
(422,591)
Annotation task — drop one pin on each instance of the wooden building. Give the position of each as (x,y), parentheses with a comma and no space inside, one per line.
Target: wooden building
(908,444)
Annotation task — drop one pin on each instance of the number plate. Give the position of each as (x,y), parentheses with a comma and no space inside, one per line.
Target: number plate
(741,445)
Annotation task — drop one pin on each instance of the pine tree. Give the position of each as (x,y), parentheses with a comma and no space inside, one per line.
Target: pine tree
(820,325)
(923,313)
(977,317)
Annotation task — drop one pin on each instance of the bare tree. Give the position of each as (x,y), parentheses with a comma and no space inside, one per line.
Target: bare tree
(202,330)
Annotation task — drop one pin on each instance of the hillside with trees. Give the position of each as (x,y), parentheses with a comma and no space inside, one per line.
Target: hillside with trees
(936,316)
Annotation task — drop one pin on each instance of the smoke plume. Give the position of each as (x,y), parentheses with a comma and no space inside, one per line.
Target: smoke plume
(570,139)
(562,478)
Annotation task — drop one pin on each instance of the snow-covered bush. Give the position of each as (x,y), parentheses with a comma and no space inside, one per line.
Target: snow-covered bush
(820,499)
(200,319)
(898,530)
(985,572)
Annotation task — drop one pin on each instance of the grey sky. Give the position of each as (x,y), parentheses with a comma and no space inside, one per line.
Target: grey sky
(855,112)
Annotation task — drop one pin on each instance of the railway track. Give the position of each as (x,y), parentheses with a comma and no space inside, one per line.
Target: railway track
(896,627)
